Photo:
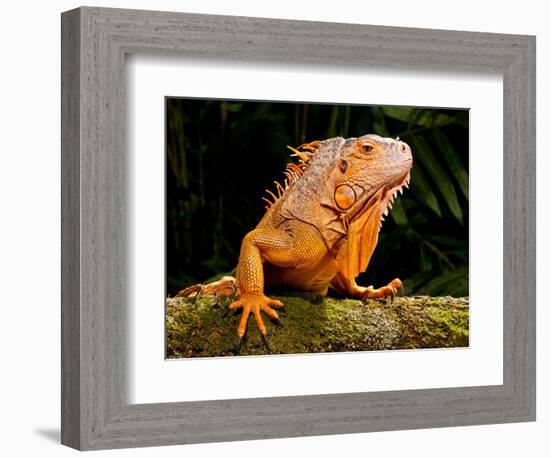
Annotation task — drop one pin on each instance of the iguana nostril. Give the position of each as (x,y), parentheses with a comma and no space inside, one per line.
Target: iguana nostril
(404,148)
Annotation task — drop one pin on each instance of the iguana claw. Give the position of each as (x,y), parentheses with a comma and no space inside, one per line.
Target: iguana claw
(389,291)
(239,344)
(277,321)
(266,343)
(255,303)
(194,289)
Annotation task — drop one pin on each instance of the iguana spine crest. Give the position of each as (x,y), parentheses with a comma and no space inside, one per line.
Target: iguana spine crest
(293,172)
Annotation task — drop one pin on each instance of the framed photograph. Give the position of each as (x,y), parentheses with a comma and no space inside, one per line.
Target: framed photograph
(278,228)
(327,219)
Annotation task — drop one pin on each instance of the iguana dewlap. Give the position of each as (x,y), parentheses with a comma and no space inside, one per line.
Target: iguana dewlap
(321,226)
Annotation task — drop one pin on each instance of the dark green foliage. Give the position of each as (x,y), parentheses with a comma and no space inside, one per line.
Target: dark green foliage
(222,155)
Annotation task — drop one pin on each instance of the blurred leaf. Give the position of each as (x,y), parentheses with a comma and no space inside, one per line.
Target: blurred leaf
(459,288)
(215,263)
(413,118)
(422,190)
(461,255)
(424,260)
(448,243)
(217,276)
(423,152)
(378,129)
(398,213)
(347,117)
(439,284)
(425,118)
(331,130)
(440,254)
(233,107)
(412,284)
(379,122)
(453,160)
(179,282)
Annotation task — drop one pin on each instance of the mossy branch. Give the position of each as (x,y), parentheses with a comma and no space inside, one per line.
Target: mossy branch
(319,324)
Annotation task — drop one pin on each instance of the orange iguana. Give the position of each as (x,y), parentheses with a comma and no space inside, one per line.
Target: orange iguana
(320,228)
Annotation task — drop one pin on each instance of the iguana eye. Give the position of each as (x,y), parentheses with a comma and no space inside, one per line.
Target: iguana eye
(368,148)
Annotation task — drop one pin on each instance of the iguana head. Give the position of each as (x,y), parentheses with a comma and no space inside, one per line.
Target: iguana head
(346,176)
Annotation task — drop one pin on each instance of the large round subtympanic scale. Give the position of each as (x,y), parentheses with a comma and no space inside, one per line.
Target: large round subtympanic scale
(344,196)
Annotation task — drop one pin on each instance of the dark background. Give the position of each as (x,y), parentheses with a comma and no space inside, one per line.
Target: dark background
(222,155)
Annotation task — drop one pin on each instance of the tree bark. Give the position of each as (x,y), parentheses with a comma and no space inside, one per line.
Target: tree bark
(318,324)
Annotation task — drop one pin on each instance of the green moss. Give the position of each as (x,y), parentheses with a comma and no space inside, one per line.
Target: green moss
(434,322)
(313,324)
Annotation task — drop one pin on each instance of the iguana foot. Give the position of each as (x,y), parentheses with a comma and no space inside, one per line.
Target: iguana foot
(388,291)
(255,303)
(225,286)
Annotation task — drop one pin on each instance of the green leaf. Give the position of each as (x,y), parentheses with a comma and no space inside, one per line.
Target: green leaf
(347,118)
(398,213)
(439,253)
(444,281)
(233,107)
(425,119)
(422,189)
(218,276)
(331,131)
(451,242)
(461,255)
(451,246)
(414,117)
(459,288)
(453,160)
(379,122)
(422,151)
(215,263)
(412,284)
(424,260)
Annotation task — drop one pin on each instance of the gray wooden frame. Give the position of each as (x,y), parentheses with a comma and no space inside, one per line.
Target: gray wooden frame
(95,413)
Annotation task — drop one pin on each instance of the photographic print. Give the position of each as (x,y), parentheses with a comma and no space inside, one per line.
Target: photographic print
(312,228)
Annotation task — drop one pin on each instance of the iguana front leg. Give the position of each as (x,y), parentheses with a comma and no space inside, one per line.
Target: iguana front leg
(349,288)
(288,247)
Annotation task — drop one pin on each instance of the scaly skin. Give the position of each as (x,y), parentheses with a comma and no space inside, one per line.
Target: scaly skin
(320,228)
